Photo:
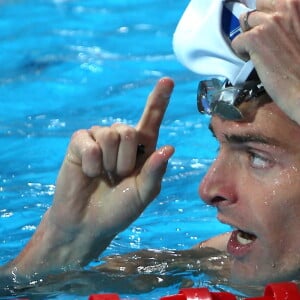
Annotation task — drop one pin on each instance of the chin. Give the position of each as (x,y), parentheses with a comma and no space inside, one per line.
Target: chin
(251,274)
(260,274)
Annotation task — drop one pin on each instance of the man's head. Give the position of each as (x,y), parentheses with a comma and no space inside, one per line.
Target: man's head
(254,181)
(254,184)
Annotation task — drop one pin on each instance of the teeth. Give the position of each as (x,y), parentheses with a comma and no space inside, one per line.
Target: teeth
(245,238)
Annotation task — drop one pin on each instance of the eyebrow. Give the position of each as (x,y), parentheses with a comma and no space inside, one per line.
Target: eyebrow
(247,138)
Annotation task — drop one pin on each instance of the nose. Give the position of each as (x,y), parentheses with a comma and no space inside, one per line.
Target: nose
(219,184)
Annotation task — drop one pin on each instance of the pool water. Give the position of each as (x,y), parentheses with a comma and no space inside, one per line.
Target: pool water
(67,65)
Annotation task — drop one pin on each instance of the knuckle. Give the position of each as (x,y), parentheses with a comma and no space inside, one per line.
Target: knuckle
(128,134)
(294,3)
(110,136)
(78,134)
(91,148)
(95,128)
(277,19)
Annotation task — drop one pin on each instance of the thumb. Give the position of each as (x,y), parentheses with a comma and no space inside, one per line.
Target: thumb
(151,175)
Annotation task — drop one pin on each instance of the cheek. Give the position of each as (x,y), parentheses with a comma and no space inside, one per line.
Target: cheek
(289,195)
(285,187)
(280,202)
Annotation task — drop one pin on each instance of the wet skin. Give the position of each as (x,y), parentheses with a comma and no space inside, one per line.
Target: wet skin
(254,184)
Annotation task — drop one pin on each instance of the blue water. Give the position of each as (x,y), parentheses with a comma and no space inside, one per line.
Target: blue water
(67,65)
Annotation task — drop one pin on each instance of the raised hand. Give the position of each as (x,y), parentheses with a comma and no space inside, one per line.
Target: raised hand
(103,185)
(273,44)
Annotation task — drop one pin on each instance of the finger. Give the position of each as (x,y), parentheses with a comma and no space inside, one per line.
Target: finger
(149,124)
(150,177)
(252,19)
(108,140)
(127,151)
(86,153)
(244,20)
(265,5)
(246,44)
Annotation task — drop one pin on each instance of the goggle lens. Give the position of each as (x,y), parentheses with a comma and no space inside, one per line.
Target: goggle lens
(214,97)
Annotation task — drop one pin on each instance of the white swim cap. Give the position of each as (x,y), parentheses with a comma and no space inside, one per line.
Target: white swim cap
(202,38)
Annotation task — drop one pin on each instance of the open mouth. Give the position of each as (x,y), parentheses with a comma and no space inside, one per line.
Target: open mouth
(245,238)
(240,243)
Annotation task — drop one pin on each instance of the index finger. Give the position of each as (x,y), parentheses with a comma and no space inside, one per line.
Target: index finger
(155,108)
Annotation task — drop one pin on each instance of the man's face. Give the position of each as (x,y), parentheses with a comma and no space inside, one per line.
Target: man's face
(255,185)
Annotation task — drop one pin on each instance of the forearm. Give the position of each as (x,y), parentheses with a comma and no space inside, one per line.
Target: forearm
(51,251)
(218,242)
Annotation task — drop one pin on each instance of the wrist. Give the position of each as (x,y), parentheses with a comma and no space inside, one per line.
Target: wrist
(52,250)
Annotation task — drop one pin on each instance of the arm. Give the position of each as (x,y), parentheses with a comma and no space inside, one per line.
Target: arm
(273,44)
(102,186)
(218,242)
(148,269)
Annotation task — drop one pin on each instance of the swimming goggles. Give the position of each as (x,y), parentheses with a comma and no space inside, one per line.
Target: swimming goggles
(220,97)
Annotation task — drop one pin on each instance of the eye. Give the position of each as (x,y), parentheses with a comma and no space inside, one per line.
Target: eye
(259,161)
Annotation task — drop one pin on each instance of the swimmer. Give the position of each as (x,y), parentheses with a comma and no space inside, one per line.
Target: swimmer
(253,183)
(261,197)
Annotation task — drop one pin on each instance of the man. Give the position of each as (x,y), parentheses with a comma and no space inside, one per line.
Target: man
(105,182)
(253,183)
(254,180)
